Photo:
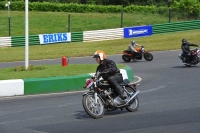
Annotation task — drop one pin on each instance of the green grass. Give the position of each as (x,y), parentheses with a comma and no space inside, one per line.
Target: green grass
(56,22)
(50,71)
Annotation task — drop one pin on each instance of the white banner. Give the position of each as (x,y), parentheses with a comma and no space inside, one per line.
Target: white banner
(54,38)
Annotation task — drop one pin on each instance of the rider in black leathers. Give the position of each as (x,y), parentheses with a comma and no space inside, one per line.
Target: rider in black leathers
(109,72)
(186,50)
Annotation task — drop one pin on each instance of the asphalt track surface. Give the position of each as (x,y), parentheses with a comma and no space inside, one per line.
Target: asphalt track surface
(169,102)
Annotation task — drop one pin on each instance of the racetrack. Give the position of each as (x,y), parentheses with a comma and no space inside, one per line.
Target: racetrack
(169,103)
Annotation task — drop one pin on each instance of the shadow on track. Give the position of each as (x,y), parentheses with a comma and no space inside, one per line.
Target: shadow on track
(81,115)
(135,61)
(186,67)
(84,115)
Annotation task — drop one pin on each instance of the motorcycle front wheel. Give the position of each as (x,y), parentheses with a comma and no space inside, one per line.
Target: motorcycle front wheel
(95,110)
(148,56)
(126,58)
(134,104)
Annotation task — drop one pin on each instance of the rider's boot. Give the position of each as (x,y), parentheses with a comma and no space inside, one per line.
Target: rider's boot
(184,60)
(120,92)
(123,96)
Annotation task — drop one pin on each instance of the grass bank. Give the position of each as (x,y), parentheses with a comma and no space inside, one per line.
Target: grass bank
(50,71)
(57,22)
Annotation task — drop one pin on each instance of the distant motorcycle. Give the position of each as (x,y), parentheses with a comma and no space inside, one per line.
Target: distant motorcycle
(128,55)
(194,60)
(102,96)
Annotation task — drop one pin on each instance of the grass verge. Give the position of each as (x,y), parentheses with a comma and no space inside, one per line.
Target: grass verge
(50,71)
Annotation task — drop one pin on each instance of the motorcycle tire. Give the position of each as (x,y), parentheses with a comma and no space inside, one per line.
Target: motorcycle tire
(148,56)
(93,110)
(134,104)
(126,58)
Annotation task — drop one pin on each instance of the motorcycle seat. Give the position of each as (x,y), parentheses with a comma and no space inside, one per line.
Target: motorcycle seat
(125,82)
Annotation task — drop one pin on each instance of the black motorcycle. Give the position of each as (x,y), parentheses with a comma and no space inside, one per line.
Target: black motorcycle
(127,55)
(102,97)
(194,58)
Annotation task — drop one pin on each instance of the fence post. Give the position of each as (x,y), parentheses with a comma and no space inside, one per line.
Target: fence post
(122,11)
(169,4)
(68,27)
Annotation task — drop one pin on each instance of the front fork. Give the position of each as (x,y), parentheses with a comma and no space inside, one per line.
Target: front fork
(95,92)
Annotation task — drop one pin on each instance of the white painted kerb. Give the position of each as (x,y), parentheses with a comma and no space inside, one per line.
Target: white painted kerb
(11,87)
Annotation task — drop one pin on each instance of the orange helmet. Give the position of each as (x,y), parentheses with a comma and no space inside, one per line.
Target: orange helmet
(100,54)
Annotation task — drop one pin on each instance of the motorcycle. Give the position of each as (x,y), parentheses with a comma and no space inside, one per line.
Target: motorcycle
(128,55)
(102,97)
(195,58)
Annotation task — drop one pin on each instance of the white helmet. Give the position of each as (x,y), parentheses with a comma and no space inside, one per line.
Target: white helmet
(100,54)
(133,42)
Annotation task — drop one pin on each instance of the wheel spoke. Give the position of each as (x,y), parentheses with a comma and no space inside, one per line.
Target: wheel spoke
(134,104)
(94,108)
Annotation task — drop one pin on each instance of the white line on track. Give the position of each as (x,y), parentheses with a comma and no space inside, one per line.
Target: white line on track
(153,89)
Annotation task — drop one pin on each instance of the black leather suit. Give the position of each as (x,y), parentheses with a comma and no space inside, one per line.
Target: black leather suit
(112,75)
(186,50)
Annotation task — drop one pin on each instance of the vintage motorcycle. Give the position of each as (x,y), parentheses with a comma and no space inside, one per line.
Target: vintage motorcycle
(195,58)
(102,97)
(128,55)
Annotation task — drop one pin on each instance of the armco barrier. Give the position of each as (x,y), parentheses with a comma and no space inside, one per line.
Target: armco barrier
(176,26)
(101,35)
(20,40)
(5,42)
(34,39)
(50,84)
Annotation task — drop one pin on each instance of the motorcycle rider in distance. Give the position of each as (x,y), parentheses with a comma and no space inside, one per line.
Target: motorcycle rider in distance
(132,46)
(109,72)
(186,51)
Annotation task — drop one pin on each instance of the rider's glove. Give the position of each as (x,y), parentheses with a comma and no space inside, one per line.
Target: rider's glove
(189,54)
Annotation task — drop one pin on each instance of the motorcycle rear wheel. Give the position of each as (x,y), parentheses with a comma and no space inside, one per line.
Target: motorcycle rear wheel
(93,110)
(134,104)
(148,56)
(126,58)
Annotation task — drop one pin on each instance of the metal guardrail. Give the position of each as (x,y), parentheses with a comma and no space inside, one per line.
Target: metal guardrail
(176,26)
(20,40)
(5,42)
(100,35)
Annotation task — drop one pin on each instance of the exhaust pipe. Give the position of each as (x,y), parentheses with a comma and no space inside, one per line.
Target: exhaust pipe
(136,93)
